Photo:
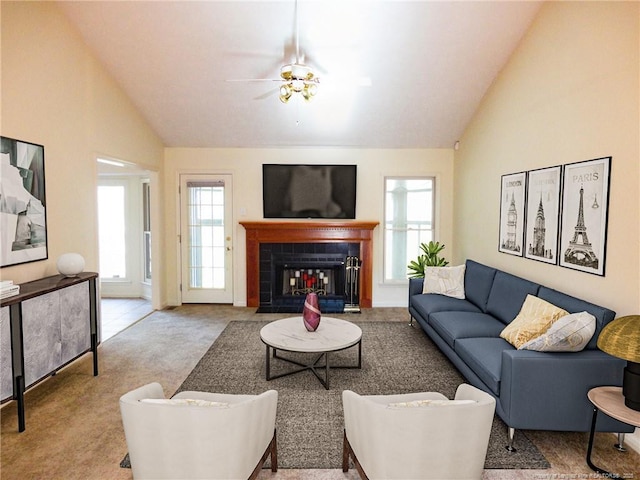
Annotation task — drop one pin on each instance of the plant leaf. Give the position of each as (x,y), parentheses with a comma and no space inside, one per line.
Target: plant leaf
(429,259)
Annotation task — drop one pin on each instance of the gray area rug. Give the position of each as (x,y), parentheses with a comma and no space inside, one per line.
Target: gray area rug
(396,358)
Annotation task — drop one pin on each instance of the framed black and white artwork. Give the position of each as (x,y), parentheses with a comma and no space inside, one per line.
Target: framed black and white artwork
(512,208)
(585,209)
(23,219)
(543,214)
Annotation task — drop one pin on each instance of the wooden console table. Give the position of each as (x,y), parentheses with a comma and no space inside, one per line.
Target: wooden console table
(53,321)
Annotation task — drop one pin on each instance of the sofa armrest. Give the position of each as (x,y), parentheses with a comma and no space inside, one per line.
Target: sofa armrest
(548,390)
(415,287)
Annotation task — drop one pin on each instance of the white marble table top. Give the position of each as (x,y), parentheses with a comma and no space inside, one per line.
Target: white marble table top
(290,334)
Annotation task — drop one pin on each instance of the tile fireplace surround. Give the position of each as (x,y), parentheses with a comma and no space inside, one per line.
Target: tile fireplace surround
(309,232)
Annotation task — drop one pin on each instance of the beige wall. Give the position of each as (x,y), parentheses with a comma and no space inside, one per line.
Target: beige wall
(55,93)
(569,93)
(245,165)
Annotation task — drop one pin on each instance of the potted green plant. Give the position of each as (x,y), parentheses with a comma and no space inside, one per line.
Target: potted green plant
(429,258)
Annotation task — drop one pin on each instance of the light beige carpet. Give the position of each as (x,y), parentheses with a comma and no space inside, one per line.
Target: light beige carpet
(74,430)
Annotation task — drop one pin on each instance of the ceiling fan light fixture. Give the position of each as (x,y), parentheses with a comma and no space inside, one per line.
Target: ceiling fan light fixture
(300,71)
(285,93)
(286,72)
(299,78)
(309,90)
(298,85)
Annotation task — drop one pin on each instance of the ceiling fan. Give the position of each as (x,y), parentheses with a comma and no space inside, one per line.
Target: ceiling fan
(296,77)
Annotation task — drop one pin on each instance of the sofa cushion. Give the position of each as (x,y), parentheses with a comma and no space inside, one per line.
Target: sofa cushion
(427,303)
(477,283)
(507,295)
(447,281)
(452,326)
(484,357)
(575,305)
(535,318)
(570,333)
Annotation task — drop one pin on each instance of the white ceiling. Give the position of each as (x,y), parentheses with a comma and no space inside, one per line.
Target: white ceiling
(430,63)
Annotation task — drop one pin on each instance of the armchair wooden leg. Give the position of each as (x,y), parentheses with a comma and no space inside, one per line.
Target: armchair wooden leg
(345,453)
(274,453)
(271,451)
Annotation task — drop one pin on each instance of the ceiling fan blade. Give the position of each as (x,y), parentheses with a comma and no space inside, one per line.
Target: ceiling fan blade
(267,94)
(317,66)
(253,80)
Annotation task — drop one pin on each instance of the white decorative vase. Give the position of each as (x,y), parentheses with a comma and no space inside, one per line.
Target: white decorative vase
(70,264)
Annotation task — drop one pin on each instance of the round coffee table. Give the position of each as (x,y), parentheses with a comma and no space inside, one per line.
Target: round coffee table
(290,335)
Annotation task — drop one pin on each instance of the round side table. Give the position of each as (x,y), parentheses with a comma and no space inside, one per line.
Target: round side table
(610,401)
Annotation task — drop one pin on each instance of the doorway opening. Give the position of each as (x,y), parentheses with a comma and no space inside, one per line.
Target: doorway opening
(125,194)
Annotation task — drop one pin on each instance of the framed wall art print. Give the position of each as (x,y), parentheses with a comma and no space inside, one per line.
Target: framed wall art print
(512,208)
(543,214)
(585,209)
(23,219)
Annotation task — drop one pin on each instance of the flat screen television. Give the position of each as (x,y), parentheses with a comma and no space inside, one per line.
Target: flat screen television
(309,191)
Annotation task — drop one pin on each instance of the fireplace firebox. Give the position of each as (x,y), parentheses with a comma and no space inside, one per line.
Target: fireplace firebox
(289,271)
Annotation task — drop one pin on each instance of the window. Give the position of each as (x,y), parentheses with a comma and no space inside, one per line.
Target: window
(146,229)
(206,234)
(111,224)
(408,222)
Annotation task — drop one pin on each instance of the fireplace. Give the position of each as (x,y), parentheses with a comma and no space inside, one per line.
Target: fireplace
(347,239)
(288,271)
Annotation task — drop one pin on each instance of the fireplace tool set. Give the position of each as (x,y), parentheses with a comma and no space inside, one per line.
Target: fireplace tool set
(352,271)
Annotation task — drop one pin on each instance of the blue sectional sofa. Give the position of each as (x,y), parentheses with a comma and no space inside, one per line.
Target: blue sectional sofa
(534,390)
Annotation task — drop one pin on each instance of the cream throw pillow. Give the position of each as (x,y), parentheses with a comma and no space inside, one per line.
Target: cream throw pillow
(535,318)
(432,403)
(447,281)
(570,333)
(184,401)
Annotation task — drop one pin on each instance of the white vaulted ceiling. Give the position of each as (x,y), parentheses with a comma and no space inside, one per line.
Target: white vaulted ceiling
(429,63)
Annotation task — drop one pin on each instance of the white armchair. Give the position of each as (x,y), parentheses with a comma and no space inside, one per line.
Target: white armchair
(212,436)
(403,437)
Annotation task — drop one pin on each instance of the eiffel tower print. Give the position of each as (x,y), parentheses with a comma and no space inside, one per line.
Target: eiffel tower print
(579,251)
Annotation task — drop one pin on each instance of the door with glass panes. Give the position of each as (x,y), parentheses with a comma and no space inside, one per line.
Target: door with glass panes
(205,238)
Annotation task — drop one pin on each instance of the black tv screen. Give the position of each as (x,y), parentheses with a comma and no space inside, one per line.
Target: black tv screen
(309,191)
